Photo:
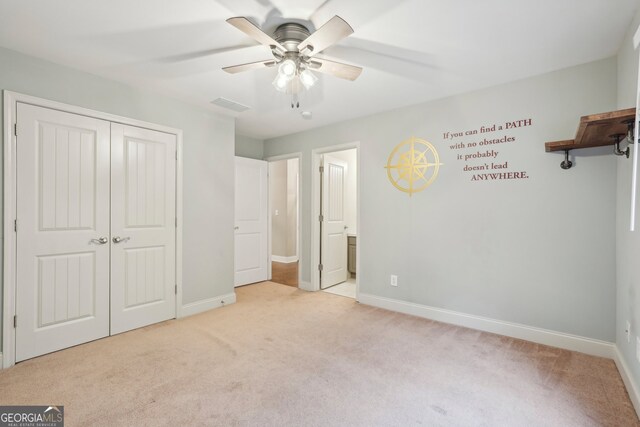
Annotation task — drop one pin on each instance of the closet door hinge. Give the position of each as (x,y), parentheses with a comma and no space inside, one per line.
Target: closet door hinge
(320,218)
(15,225)
(15,321)
(176,154)
(15,129)
(176,289)
(176,221)
(320,267)
(321,169)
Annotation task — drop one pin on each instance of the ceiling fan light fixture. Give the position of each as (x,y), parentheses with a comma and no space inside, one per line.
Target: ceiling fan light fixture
(308,79)
(288,68)
(294,50)
(281,82)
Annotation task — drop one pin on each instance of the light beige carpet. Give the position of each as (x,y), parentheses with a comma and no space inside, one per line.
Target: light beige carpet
(284,357)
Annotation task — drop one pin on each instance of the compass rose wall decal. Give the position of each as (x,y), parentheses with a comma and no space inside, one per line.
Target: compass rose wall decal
(413,165)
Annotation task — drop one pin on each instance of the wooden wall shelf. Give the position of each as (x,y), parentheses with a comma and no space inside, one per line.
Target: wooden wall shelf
(597,130)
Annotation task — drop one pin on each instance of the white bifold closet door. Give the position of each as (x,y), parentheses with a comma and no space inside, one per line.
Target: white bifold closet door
(96,241)
(143,239)
(63,176)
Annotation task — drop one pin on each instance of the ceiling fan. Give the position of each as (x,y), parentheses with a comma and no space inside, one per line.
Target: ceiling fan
(295,52)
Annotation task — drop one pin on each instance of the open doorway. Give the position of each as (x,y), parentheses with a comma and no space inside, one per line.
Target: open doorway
(338,230)
(284,199)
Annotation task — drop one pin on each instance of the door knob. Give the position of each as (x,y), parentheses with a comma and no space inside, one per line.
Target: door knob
(119,239)
(100,240)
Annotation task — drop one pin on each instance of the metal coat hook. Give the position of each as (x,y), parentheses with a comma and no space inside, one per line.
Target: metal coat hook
(566,163)
(616,150)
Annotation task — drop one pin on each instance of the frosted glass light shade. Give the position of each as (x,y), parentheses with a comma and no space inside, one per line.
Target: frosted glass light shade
(281,82)
(308,79)
(288,68)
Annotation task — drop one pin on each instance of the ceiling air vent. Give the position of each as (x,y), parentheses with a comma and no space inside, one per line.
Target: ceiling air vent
(230,105)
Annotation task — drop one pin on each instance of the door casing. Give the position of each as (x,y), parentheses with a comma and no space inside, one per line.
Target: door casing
(9,260)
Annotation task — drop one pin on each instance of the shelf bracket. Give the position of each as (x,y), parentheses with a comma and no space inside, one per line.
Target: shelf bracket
(616,149)
(566,163)
(613,128)
(630,130)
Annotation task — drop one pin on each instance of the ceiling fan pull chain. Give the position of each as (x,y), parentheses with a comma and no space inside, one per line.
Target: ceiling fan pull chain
(295,103)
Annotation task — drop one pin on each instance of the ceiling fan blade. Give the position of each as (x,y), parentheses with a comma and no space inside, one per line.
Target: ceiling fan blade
(337,69)
(247,27)
(234,69)
(190,56)
(392,64)
(330,33)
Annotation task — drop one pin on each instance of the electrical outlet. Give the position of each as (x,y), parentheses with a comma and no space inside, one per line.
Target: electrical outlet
(628,331)
(394,280)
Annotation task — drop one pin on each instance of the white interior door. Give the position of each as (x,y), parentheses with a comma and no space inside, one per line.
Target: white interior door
(143,215)
(333,244)
(251,219)
(62,209)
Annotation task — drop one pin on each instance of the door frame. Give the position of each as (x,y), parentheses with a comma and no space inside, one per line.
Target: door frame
(10,101)
(636,158)
(271,159)
(316,160)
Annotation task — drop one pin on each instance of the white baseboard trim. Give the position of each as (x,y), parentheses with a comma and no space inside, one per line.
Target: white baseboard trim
(627,378)
(305,286)
(514,330)
(284,259)
(207,304)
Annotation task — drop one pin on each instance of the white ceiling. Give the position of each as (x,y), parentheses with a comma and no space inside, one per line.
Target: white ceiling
(412,51)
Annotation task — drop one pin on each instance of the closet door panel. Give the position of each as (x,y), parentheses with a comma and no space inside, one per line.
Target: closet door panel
(143,227)
(62,208)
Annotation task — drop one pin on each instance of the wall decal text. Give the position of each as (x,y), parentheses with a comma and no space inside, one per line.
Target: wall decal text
(479,151)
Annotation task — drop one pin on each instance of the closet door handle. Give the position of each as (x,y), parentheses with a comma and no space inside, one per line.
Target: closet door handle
(100,240)
(119,239)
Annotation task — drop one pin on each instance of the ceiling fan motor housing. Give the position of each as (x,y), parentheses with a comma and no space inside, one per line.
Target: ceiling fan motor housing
(290,35)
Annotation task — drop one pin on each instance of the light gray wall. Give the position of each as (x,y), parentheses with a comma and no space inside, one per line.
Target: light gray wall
(249,147)
(538,252)
(278,202)
(628,243)
(207,159)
